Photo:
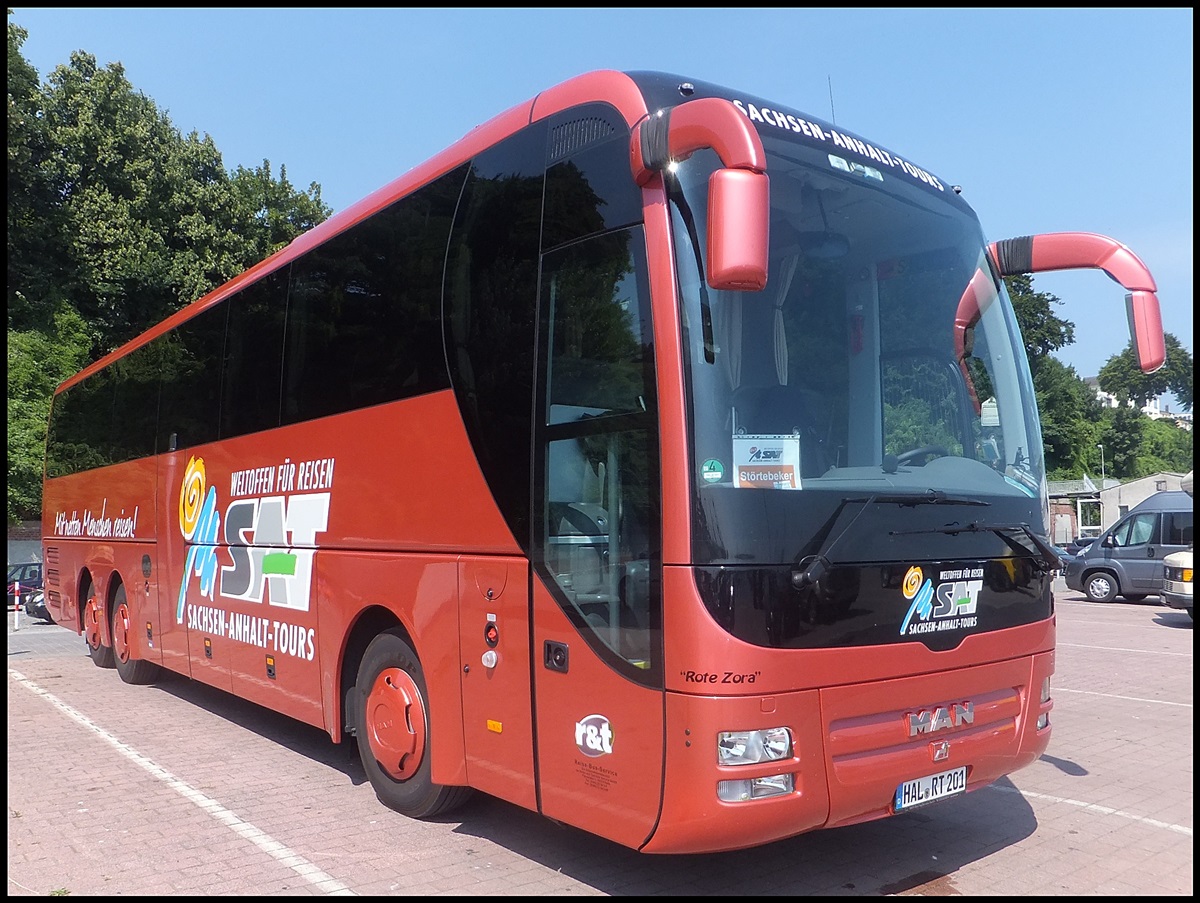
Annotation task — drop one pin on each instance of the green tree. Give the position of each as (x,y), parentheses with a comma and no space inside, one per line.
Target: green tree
(1123,442)
(1070,412)
(116,220)
(1122,377)
(1165,447)
(1042,331)
(37,362)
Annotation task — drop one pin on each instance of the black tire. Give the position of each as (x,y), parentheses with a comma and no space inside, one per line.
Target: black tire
(132,670)
(391,725)
(1100,586)
(1133,597)
(93,619)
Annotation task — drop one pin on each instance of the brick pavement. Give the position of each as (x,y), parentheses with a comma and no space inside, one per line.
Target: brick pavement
(178,789)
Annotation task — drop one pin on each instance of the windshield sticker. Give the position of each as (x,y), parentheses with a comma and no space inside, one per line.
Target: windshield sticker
(766,462)
(712,471)
(271,525)
(789,122)
(950,605)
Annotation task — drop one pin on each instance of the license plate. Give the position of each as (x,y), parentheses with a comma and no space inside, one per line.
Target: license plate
(930,788)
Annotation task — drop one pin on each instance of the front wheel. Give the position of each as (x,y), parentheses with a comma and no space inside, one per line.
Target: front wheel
(1133,597)
(132,670)
(391,725)
(1100,587)
(93,630)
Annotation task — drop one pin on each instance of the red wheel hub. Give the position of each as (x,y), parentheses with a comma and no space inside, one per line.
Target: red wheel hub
(395,720)
(91,622)
(121,632)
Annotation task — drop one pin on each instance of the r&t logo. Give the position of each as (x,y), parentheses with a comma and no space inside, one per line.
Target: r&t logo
(594,736)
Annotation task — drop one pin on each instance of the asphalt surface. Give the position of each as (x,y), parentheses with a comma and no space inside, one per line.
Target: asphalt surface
(178,789)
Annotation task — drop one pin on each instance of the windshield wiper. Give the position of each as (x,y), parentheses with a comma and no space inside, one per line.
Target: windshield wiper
(1049,556)
(817,565)
(928,497)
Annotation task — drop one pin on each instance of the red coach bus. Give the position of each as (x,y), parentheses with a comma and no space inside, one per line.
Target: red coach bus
(658,458)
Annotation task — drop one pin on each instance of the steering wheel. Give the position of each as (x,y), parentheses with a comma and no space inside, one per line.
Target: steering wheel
(925,451)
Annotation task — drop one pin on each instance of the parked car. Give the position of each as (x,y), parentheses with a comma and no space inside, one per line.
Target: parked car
(35,607)
(1127,558)
(28,576)
(1078,544)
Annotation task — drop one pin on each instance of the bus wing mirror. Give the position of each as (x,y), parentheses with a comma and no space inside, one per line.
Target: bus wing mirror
(739,201)
(1081,250)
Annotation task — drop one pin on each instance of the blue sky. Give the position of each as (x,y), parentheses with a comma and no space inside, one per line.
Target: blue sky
(1050,120)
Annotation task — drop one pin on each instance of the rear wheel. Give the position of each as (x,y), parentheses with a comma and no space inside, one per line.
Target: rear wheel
(132,670)
(391,724)
(93,632)
(1100,587)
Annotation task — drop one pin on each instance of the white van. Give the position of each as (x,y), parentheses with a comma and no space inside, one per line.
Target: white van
(1177,569)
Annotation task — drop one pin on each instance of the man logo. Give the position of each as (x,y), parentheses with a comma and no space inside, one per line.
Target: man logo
(942,718)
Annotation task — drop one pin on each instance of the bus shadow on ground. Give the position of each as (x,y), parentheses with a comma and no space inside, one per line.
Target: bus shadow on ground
(301,738)
(913,854)
(917,853)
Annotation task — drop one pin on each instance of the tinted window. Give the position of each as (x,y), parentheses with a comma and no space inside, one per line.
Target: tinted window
(589,187)
(491,298)
(135,403)
(190,358)
(364,312)
(1177,528)
(108,418)
(599,498)
(253,357)
(81,426)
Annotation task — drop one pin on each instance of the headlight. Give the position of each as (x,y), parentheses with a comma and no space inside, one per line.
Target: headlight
(748,747)
(757,788)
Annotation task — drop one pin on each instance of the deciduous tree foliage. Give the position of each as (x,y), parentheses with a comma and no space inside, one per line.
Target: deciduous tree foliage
(1121,376)
(1073,421)
(115,220)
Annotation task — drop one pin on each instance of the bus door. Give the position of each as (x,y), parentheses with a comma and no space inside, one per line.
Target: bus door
(596,656)
(183,483)
(497,709)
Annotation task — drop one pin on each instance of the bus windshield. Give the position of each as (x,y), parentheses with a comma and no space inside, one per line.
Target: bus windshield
(883,359)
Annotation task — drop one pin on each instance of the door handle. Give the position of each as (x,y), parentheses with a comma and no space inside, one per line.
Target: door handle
(1150,552)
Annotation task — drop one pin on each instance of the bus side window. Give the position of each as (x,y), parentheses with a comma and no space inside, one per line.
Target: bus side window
(600,488)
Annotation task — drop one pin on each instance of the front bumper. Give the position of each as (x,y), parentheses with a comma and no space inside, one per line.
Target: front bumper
(1177,594)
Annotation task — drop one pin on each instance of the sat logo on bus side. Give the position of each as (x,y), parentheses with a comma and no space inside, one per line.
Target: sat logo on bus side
(255,529)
